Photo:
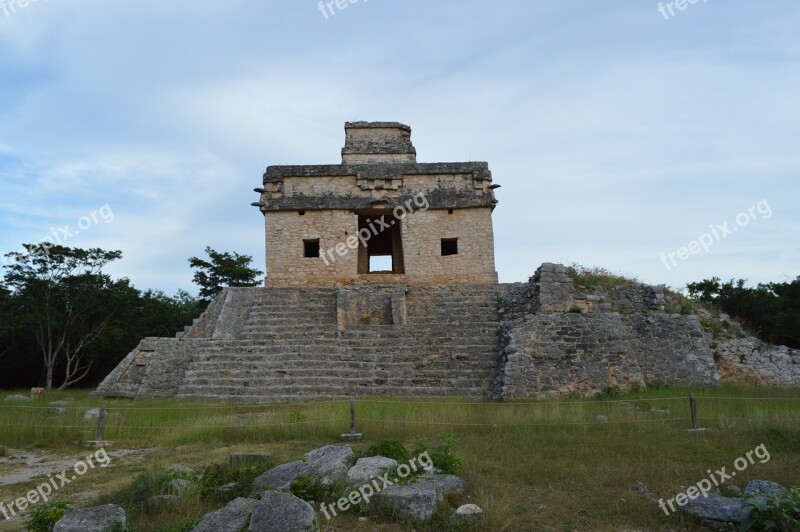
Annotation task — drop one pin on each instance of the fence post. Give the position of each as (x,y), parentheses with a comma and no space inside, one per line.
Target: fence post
(352,435)
(352,416)
(101,425)
(693,408)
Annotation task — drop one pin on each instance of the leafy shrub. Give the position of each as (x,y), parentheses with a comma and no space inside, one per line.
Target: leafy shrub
(3,451)
(311,490)
(45,517)
(390,449)
(780,512)
(443,454)
(575,309)
(214,476)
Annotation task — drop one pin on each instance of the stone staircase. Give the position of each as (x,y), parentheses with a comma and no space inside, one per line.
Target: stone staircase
(288,344)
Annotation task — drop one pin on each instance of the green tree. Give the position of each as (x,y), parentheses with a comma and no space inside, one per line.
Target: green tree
(63,302)
(771,310)
(221,270)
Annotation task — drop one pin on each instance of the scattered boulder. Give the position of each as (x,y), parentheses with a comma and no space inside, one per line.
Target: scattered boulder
(91,519)
(249,459)
(326,465)
(282,512)
(232,518)
(414,502)
(17,399)
(468,514)
(63,402)
(36,392)
(715,507)
(765,488)
(447,485)
(281,477)
(601,418)
(329,464)
(53,411)
(368,468)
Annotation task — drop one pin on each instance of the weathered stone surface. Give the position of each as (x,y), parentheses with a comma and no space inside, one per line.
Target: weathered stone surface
(767,488)
(715,507)
(232,518)
(368,468)
(468,514)
(414,502)
(282,476)
(329,464)
(555,351)
(282,512)
(91,519)
(447,485)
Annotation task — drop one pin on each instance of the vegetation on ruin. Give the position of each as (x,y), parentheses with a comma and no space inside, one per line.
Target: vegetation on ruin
(546,465)
(594,276)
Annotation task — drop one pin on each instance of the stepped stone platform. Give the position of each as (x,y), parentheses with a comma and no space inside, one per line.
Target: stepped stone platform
(290,344)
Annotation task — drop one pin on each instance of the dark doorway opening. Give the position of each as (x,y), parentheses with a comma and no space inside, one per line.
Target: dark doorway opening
(383,252)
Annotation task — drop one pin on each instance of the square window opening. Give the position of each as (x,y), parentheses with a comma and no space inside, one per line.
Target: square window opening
(449,246)
(311,249)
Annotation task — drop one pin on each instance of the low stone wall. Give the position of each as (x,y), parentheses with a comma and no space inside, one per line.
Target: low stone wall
(751,359)
(583,354)
(559,339)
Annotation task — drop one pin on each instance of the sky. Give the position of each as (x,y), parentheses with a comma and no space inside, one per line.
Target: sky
(659,142)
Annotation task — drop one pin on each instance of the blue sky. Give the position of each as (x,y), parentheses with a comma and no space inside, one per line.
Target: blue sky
(617,134)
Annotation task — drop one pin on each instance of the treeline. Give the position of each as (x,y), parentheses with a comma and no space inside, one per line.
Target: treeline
(771,310)
(65,322)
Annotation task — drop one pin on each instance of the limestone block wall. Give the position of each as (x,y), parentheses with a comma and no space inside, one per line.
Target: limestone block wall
(750,359)
(421,235)
(558,338)
(583,354)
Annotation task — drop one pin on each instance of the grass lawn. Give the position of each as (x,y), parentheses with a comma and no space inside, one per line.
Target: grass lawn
(548,465)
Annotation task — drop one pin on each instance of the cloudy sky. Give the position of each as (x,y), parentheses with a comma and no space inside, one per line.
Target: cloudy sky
(618,132)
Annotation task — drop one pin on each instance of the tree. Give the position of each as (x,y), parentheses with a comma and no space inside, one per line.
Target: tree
(63,301)
(224,269)
(771,310)
(6,320)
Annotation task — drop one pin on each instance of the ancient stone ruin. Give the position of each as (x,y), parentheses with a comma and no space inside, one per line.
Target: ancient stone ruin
(381,281)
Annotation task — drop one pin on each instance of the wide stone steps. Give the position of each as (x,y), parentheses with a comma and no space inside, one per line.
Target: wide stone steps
(288,348)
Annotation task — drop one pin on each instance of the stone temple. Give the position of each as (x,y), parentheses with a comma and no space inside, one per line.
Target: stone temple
(381,281)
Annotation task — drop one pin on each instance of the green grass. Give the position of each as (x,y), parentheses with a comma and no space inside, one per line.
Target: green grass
(592,277)
(546,465)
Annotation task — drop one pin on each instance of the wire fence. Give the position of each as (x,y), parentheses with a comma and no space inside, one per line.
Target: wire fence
(628,404)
